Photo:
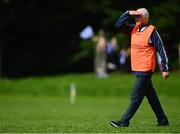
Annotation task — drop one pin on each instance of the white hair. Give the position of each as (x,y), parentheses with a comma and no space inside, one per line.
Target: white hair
(144,12)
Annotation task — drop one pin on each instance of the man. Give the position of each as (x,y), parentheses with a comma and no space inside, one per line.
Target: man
(145,40)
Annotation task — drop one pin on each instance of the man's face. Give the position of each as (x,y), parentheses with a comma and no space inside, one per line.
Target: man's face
(140,19)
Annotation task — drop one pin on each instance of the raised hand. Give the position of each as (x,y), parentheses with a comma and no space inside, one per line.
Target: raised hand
(134,12)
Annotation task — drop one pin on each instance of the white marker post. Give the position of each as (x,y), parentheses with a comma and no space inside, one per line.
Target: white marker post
(72,93)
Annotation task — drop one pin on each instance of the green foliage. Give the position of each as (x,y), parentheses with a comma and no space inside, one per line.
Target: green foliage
(165,17)
(111,15)
(47,32)
(86,51)
(123,41)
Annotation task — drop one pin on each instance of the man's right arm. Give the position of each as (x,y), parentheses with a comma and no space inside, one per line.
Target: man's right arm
(122,26)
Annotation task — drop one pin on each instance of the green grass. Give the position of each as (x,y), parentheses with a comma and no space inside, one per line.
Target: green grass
(87,84)
(42,104)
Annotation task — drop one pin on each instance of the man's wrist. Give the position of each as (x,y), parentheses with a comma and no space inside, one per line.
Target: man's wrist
(165,67)
(127,13)
(165,71)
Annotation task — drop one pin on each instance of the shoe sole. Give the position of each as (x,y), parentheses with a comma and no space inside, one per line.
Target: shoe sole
(116,126)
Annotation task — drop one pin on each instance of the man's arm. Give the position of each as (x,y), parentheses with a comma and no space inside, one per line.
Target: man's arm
(121,24)
(158,43)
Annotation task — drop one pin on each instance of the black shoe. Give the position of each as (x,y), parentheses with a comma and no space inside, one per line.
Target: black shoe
(119,124)
(163,122)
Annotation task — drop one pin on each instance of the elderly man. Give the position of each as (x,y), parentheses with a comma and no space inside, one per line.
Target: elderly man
(145,40)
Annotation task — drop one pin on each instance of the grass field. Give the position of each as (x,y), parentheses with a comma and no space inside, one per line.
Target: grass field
(41,104)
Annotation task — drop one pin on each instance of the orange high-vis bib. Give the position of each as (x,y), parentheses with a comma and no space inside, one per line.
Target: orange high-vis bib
(142,54)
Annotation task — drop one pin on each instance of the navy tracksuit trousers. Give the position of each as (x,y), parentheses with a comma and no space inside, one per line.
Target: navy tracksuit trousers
(143,87)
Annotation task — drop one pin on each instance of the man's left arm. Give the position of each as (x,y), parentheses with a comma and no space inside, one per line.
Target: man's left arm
(158,43)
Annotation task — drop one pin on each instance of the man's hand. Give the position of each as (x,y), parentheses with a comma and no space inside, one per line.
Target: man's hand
(134,12)
(165,75)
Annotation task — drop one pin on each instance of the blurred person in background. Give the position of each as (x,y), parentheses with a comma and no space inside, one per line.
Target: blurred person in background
(145,40)
(111,51)
(100,59)
(122,57)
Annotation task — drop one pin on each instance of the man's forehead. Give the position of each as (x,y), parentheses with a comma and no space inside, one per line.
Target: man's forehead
(143,11)
(140,10)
